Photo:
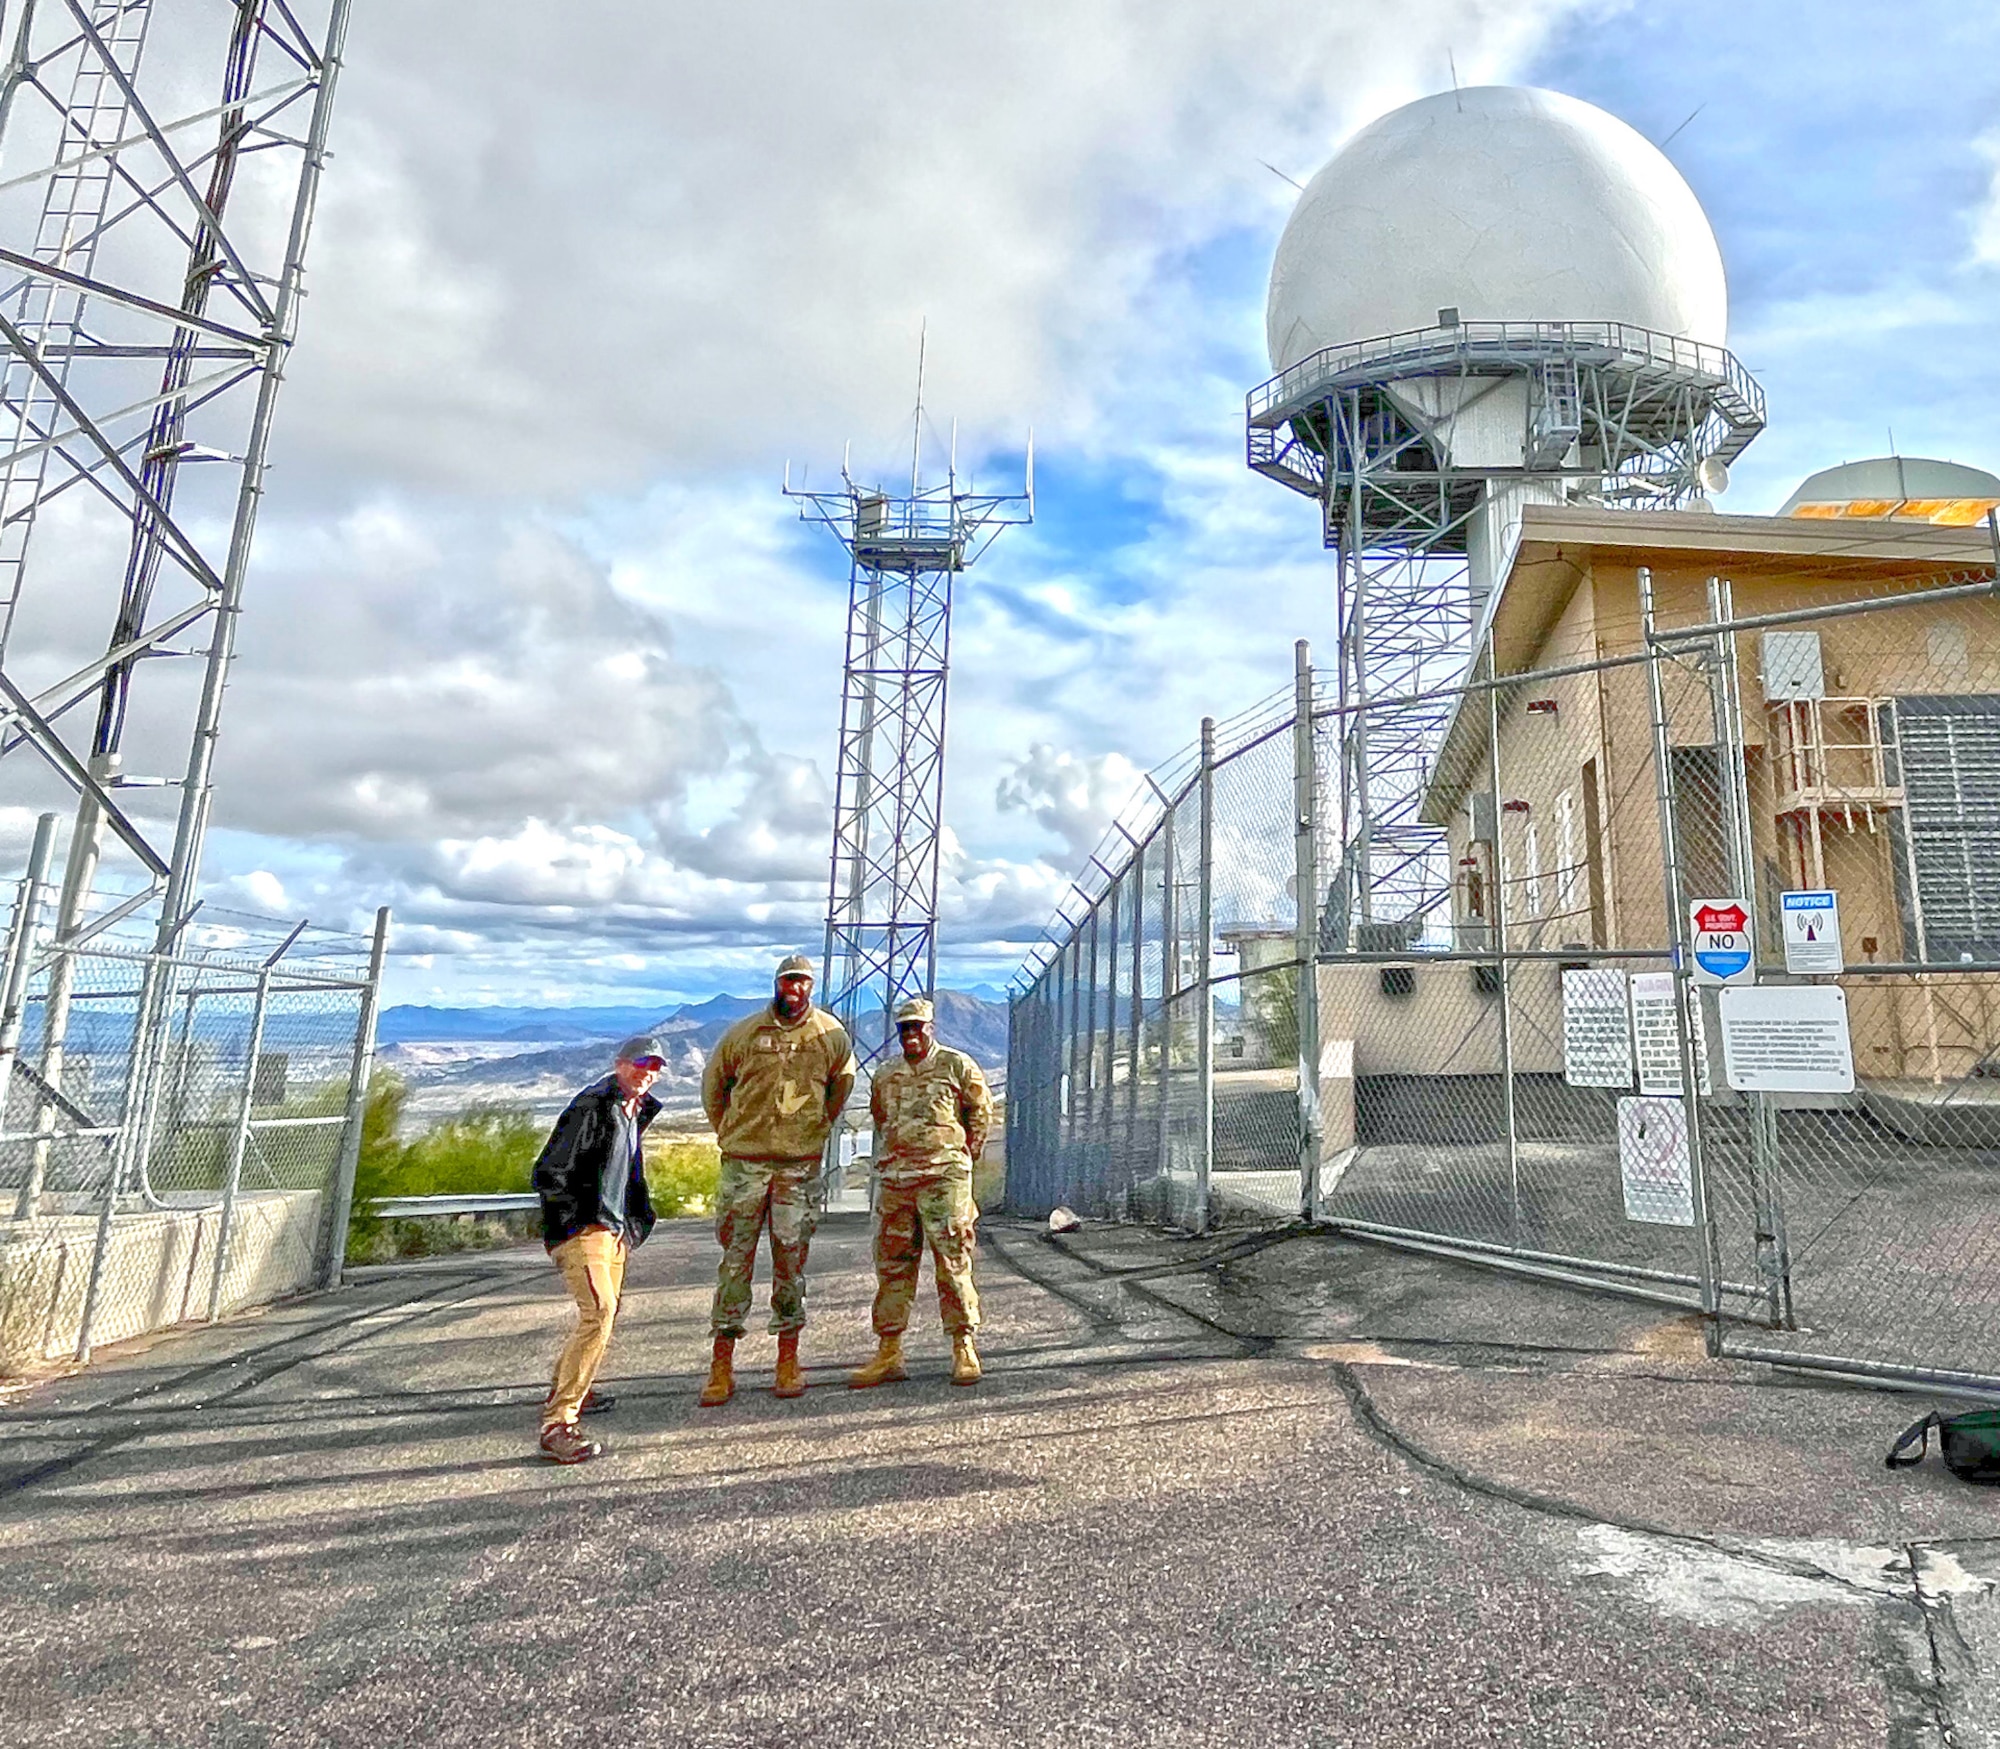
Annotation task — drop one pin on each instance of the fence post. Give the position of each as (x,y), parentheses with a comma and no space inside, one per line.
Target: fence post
(357,1103)
(239,1144)
(1010,1130)
(1305,858)
(1774,1257)
(1129,1167)
(1508,1118)
(14,985)
(1170,975)
(1086,1128)
(1204,1048)
(1706,1263)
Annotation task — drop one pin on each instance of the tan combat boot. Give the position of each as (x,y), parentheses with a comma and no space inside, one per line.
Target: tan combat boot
(964,1359)
(885,1369)
(791,1382)
(721,1384)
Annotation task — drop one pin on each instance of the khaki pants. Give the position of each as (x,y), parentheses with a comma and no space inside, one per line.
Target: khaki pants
(935,1211)
(593,1265)
(750,1195)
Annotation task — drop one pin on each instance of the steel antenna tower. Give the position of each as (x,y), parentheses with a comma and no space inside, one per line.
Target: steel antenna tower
(904,551)
(144,326)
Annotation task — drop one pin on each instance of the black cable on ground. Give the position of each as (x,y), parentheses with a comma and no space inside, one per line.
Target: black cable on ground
(1368,1413)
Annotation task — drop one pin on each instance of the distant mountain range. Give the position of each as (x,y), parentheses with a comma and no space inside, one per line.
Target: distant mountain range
(539,1056)
(409,1023)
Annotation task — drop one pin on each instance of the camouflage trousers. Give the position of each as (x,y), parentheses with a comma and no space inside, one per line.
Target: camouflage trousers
(749,1196)
(935,1211)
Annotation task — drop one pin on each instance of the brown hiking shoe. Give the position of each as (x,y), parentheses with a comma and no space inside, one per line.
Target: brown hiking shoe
(791,1381)
(721,1384)
(965,1368)
(885,1369)
(562,1444)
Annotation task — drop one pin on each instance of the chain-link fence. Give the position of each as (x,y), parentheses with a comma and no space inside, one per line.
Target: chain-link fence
(1676,970)
(178,1131)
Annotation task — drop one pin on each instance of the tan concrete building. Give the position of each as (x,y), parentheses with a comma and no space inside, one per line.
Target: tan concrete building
(1870,755)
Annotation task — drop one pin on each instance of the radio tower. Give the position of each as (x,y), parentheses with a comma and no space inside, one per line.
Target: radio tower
(155,236)
(904,551)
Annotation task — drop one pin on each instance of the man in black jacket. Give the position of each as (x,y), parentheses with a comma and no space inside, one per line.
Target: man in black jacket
(592,1182)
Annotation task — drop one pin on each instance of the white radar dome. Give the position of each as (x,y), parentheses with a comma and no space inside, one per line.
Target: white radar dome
(1503,204)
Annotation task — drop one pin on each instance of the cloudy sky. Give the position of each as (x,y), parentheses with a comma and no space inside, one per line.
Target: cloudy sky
(535,650)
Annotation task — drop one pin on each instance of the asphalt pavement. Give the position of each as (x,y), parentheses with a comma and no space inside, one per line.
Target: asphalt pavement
(1259,1488)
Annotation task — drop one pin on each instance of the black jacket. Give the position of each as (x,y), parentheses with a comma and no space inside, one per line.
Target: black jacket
(570,1173)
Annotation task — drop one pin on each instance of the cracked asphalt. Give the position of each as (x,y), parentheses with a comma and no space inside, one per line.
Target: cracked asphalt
(1261,1488)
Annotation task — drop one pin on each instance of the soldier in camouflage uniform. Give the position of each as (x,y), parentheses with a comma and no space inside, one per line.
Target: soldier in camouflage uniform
(932,1113)
(772,1088)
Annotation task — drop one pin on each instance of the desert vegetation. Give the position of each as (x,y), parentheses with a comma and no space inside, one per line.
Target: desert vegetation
(485,1149)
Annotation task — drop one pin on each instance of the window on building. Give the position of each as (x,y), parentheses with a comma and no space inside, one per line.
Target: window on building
(1950,745)
(1704,855)
(1566,856)
(1593,853)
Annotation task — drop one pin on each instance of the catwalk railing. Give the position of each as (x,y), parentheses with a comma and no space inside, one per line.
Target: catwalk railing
(180,1131)
(1535,1074)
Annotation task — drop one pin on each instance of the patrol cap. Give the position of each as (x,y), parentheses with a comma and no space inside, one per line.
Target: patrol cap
(642,1047)
(794,965)
(916,1009)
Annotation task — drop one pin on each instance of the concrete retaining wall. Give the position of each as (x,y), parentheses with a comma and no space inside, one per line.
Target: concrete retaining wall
(158,1269)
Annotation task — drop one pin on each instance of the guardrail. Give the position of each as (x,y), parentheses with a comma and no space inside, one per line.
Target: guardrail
(404,1208)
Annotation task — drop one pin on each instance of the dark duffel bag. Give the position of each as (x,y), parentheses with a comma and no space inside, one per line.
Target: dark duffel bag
(1970,1444)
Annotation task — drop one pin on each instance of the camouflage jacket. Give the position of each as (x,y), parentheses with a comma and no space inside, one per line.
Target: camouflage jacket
(930,1117)
(772,1091)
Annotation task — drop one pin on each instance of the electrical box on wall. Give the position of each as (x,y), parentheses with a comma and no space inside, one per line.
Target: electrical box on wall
(1790,666)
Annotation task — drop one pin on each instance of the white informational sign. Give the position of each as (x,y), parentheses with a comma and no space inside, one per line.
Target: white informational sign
(1653,1162)
(1722,942)
(1597,1028)
(1787,1039)
(1656,1037)
(1812,932)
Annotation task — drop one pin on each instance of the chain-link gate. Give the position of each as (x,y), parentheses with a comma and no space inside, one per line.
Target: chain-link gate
(1523,1062)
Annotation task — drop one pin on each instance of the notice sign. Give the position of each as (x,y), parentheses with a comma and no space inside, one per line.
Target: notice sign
(1787,1039)
(1597,1031)
(1721,942)
(1812,932)
(1656,1036)
(1653,1162)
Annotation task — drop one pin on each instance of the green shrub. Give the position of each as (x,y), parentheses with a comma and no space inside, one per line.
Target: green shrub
(680,1173)
(486,1148)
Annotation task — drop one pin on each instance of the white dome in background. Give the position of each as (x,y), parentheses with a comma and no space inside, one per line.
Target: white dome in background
(1506,204)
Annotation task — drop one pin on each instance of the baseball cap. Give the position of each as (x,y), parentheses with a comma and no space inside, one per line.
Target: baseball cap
(642,1048)
(794,965)
(914,1010)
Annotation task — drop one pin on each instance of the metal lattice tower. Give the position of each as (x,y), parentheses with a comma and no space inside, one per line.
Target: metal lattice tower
(904,552)
(152,249)
(1421,449)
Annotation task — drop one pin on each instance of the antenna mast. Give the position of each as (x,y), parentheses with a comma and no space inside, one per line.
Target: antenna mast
(881,918)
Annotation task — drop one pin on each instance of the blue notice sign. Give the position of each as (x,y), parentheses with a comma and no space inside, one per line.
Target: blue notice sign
(1812,932)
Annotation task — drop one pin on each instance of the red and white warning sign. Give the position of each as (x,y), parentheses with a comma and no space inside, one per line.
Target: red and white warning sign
(1722,953)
